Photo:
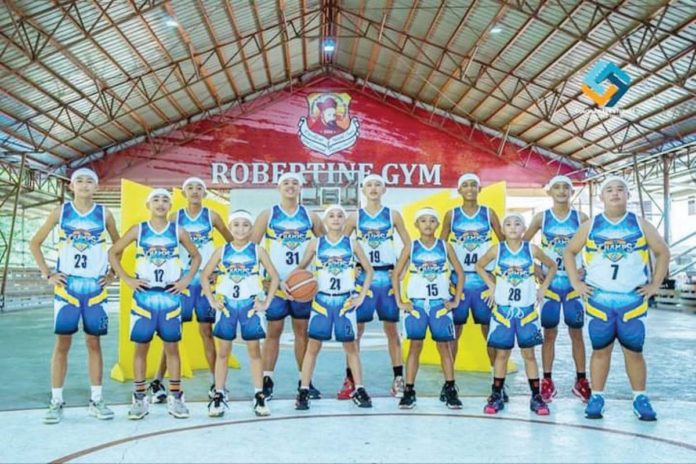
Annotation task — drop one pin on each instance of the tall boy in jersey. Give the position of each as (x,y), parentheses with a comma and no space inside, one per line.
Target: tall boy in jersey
(334,306)
(284,231)
(199,222)
(558,225)
(242,302)
(469,228)
(79,279)
(374,226)
(617,286)
(429,304)
(157,286)
(514,296)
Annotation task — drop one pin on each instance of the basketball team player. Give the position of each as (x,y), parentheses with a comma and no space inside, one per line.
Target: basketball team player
(513,294)
(334,305)
(429,304)
(199,222)
(618,283)
(284,231)
(241,302)
(374,226)
(157,286)
(558,225)
(79,280)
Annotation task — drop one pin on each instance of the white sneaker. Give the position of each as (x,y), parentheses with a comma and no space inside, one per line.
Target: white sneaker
(217,406)
(260,406)
(177,407)
(139,408)
(54,413)
(100,410)
(397,388)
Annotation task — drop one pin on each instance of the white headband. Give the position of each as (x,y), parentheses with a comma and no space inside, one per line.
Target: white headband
(158,192)
(374,177)
(427,211)
(610,179)
(514,215)
(559,180)
(86,173)
(468,176)
(240,214)
(334,207)
(192,180)
(291,175)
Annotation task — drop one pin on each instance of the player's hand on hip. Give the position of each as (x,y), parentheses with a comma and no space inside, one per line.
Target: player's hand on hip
(107,280)
(178,287)
(648,290)
(216,304)
(260,306)
(405,307)
(584,290)
(137,284)
(58,279)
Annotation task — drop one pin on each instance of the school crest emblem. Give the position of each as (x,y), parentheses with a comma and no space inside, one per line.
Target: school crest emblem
(328,127)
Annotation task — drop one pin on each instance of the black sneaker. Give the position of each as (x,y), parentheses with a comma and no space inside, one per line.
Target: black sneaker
(217,405)
(211,392)
(452,398)
(361,398)
(302,400)
(267,387)
(260,406)
(443,393)
(157,391)
(314,394)
(506,398)
(408,401)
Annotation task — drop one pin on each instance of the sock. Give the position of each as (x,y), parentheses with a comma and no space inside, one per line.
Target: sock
(449,383)
(580,375)
(96,393)
(304,387)
(139,388)
(498,384)
(398,371)
(220,390)
(359,386)
(268,373)
(57,395)
(598,393)
(410,386)
(349,373)
(534,386)
(257,390)
(175,388)
(636,393)
(547,375)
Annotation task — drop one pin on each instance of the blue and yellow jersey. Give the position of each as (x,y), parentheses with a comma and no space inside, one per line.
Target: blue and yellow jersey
(334,265)
(82,249)
(470,236)
(555,235)
(240,272)
(287,237)
(617,254)
(157,255)
(514,276)
(375,234)
(200,229)
(429,271)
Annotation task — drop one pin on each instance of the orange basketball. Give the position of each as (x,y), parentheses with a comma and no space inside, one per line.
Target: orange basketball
(302,285)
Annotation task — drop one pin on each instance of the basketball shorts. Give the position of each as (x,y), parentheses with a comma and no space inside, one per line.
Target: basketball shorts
(252,325)
(429,314)
(332,314)
(81,298)
(195,300)
(379,299)
(155,311)
(280,308)
(475,291)
(561,295)
(617,316)
(509,323)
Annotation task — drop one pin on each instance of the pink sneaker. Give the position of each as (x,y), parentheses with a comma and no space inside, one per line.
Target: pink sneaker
(582,390)
(548,390)
(347,390)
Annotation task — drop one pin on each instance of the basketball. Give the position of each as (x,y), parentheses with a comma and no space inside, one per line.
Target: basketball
(302,285)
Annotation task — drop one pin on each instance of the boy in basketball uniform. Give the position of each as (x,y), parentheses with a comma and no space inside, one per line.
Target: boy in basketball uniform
(617,286)
(334,306)
(469,228)
(199,222)
(558,225)
(374,227)
(80,279)
(242,301)
(157,287)
(284,231)
(514,293)
(429,303)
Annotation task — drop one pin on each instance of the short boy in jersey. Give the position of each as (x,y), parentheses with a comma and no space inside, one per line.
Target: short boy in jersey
(80,280)
(618,283)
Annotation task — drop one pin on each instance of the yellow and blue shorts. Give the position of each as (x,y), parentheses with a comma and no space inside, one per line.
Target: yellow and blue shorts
(509,323)
(252,325)
(280,308)
(429,314)
(81,297)
(379,299)
(192,300)
(332,313)
(617,316)
(561,295)
(475,291)
(155,311)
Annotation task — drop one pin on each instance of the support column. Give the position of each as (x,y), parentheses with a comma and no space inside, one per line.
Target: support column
(18,188)
(666,200)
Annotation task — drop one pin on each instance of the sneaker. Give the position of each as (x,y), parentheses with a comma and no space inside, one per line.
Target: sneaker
(582,390)
(495,403)
(302,400)
(217,405)
(260,406)
(452,398)
(539,406)
(595,407)
(397,388)
(267,388)
(158,393)
(643,409)
(176,406)
(139,407)
(548,390)
(408,401)
(314,394)
(54,413)
(347,390)
(443,393)
(506,398)
(100,410)
(361,398)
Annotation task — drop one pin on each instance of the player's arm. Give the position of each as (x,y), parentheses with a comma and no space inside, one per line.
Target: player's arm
(317,225)
(551,268)
(112,230)
(533,228)
(495,224)
(661,252)
(401,266)
(485,275)
(349,227)
(583,217)
(259,229)
(221,227)
(454,261)
(367,269)
(54,278)
(206,275)
(446,226)
(115,253)
(308,254)
(181,284)
(400,227)
(274,282)
(572,249)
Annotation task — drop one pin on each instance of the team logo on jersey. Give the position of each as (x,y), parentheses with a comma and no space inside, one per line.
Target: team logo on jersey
(158,255)
(515,274)
(335,265)
(82,239)
(471,240)
(430,270)
(615,249)
(291,239)
(199,238)
(237,272)
(558,243)
(375,238)
(328,127)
